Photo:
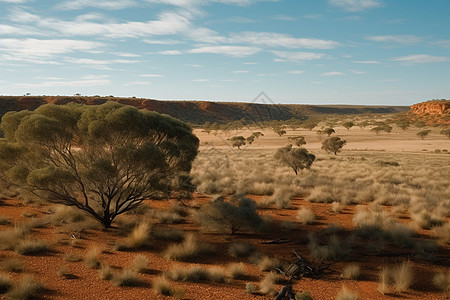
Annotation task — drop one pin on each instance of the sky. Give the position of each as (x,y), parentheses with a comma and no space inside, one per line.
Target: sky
(369,52)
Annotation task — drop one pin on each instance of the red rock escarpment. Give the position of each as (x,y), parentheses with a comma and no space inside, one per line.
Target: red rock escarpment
(434,107)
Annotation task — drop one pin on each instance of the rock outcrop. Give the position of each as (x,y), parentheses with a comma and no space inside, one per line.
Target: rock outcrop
(431,112)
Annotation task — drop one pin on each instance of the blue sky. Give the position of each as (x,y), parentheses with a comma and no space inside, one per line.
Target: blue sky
(379,52)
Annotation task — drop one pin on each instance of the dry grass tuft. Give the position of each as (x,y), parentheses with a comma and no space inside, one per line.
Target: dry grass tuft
(306,216)
(140,263)
(442,282)
(105,272)
(13,265)
(92,258)
(346,294)
(188,249)
(236,271)
(126,277)
(32,247)
(26,288)
(250,288)
(402,276)
(5,283)
(162,286)
(137,239)
(351,271)
(240,249)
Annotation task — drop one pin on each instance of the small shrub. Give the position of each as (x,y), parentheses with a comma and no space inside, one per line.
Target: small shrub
(384,280)
(13,265)
(105,272)
(168,234)
(4,220)
(443,233)
(216,274)
(193,274)
(250,288)
(126,277)
(92,258)
(138,238)
(72,257)
(346,294)
(425,220)
(402,276)
(240,249)
(442,282)
(188,249)
(267,284)
(268,263)
(64,272)
(337,207)
(351,271)
(382,163)
(236,270)
(5,283)
(164,216)
(162,286)
(306,216)
(140,263)
(304,295)
(32,247)
(26,288)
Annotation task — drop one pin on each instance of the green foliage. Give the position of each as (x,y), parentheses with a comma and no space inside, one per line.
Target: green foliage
(348,125)
(377,129)
(296,158)
(297,140)
(233,215)
(446,132)
(104,160)
(333,144)
(237,141)
(329,131)
(422,134)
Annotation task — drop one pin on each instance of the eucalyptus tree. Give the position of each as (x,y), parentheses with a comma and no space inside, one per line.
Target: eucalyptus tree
(104,160)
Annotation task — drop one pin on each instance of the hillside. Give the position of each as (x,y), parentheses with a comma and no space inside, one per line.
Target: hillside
(431,112)
(198,112)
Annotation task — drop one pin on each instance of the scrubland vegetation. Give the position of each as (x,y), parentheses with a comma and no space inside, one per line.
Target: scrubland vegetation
(378,219)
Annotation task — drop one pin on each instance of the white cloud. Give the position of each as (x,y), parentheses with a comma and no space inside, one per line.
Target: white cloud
(18,30)
(366,62)
(170,52)
(235,51)
(297,56)
(272,39)
(334,73)
(74,83)
(152,75)
(14,1)
(359,72)
(44,49)
(102,4)
(193,3)
(420,58)
(137,83)
(356,5)
(200,80)
(443,43)
(284,18)
(161,42)
(296,72)
(126,54)
(240,72)
(400,39)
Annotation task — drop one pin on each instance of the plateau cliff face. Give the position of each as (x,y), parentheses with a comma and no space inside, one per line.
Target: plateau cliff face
(431,112)
(434,107)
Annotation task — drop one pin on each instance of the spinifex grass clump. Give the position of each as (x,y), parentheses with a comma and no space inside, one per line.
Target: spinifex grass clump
(190,248)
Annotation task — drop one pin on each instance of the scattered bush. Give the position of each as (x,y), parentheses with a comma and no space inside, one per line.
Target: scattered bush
(351,271)
(269,264)
(442,282)
(4,220)
(238,213)
(346,294)
(188,249)
(240,249)
(72,257)
(306,215)
(32,247)
(126,277)
(162,286)
(384,280)
(92,258)
(402,276)
(236,270)
(105,272)
(197,274)
(267,284)
(169,234)
(250,288)
(137,239)
(64,272)
(304,295)
(26,288)
(5,283)
(140,263)
(13,265)
(382,163)
(443,233)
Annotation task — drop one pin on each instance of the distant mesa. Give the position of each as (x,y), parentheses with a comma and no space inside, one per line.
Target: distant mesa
(199,112)
(431,112)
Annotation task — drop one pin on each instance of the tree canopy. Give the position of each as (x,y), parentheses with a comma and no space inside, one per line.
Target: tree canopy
(296,158)
(105,159)
(333,144)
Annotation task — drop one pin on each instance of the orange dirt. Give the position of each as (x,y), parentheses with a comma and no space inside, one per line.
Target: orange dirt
(86,283)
